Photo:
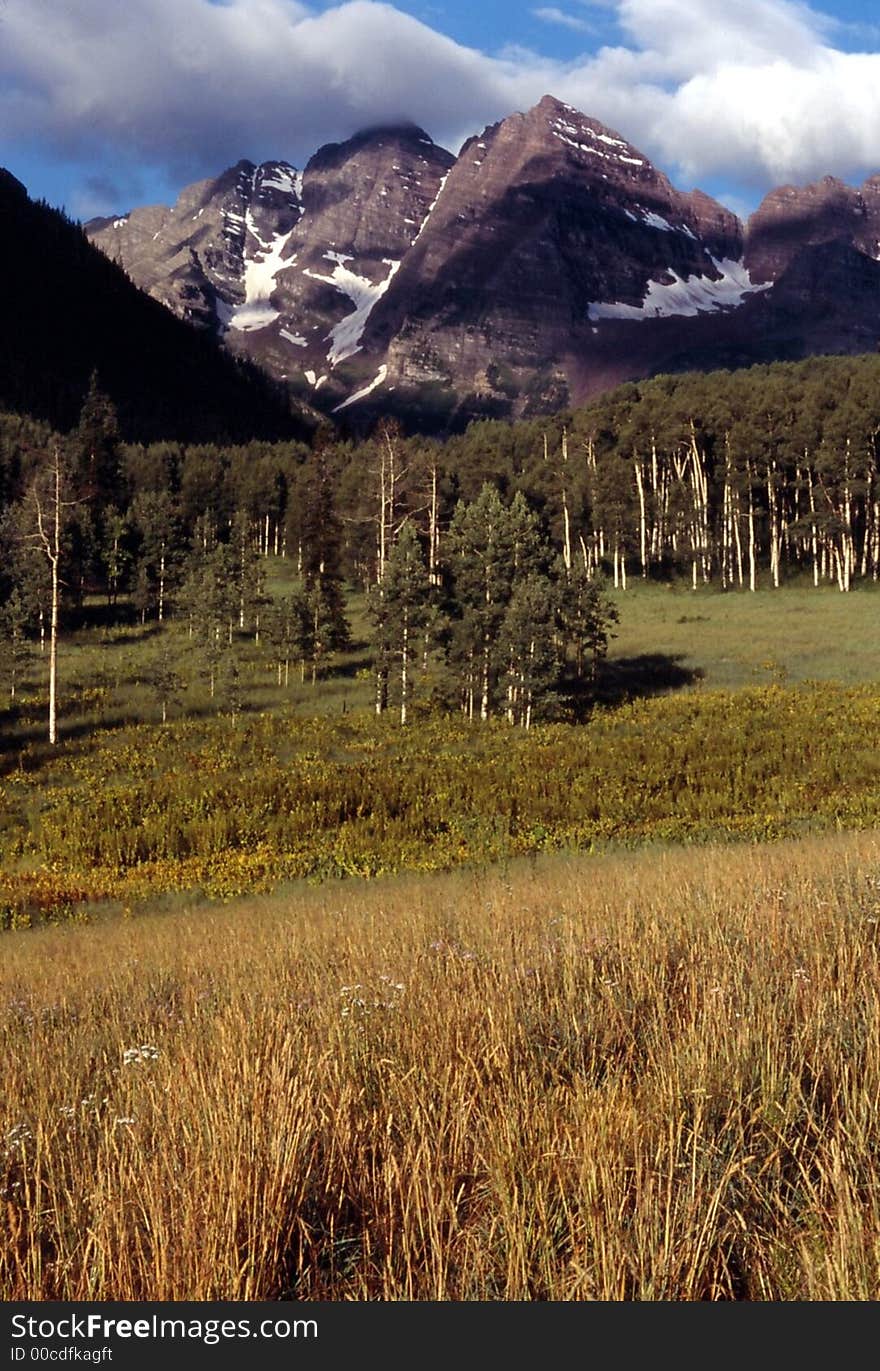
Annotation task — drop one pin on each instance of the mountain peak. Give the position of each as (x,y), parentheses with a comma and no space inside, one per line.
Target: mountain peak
(376,137)
(547,261)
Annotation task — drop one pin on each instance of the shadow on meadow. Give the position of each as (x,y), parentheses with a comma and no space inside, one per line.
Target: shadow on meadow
(650,673)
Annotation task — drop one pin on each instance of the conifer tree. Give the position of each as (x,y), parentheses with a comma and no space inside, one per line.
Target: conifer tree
(321,565)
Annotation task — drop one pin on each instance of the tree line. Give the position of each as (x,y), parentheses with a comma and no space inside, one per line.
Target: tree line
(476,611)
(482,558)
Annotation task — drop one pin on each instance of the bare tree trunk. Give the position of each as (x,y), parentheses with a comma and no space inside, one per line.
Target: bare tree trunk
(50,540)
(814,538)
(404,665)
(753,569)
(433,532)
(643,524)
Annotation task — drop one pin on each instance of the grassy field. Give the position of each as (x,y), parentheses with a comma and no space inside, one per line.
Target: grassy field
(668,639)
(704,729)
(525,1073)
(672,637)
(650,1076)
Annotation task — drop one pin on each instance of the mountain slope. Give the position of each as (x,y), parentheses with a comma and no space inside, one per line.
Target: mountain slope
(67,311)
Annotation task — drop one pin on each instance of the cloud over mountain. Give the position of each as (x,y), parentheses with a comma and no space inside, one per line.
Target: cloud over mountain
(754,93)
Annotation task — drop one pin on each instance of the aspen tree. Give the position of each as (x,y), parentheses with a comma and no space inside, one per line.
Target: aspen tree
(49,508)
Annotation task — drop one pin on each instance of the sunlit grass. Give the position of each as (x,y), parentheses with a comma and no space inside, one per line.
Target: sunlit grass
(648,1076)
(734,639)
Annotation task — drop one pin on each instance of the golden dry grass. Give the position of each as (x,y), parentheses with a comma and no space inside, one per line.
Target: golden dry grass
(650,1076)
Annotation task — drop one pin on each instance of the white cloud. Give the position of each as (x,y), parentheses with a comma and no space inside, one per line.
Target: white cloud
(551,14)
(753,93)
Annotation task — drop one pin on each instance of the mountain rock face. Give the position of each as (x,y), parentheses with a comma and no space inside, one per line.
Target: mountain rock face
(547,262)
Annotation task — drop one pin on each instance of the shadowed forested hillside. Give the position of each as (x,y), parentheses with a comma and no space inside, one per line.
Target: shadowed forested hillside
(68,311)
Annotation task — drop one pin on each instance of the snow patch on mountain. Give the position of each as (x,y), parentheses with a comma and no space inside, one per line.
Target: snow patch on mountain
(345,337)
(656,221)
(377,380)
(260,272)
(685,297)
(572,134)
(431,207)
(281,176)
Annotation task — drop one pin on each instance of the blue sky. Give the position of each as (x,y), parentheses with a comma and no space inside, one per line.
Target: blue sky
(105,104)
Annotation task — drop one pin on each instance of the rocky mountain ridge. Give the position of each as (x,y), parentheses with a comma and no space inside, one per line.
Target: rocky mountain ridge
(546,262)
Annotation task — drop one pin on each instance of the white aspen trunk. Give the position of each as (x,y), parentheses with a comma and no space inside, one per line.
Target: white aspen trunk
(51,544)
(814,534)
(866,540)
(566,523)
(566,532)
(849,554)
(838,567)
(663,518)
(643,528)
(433,533)
(753,569)
(162,583)
(656,535)
(701,502)
(484,695)
(725,529)
(774,526)
(383,497)
(241,572)
(404,664)
(53,623)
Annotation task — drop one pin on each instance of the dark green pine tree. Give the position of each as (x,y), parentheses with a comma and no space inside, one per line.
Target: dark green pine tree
(586,615)
(287,632)
(22,592)
(321,566)
(96,455)
(491,549)
(528,647)
(209,599)
(154,517)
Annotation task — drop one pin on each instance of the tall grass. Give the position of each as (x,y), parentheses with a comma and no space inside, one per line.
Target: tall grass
(650,1076)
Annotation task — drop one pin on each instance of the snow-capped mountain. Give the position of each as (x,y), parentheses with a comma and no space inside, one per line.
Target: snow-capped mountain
(546,262)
